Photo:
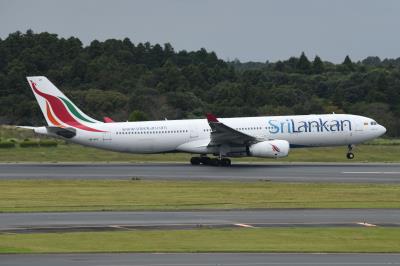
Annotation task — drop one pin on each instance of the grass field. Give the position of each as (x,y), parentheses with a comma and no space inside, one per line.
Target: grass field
(209,240)
(75,153)
(113,195)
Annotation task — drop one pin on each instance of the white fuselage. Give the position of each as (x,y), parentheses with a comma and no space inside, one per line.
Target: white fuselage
(193,135)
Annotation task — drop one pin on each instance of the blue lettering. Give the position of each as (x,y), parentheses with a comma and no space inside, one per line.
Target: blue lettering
(275,128)
(303,127)
(294,128)
(323,125)
(335,126)
(310,125)
(282,126)
(290,126)
(343,124)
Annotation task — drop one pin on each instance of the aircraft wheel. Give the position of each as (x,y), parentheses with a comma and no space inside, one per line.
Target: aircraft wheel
(205,160)
(350,155)
(195,160)
(215,162)
(225,162)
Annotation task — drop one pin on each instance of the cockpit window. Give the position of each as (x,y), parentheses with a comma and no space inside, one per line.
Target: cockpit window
(373,123)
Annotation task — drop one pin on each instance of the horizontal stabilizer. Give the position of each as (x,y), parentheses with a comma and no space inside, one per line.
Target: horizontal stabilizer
(26,127)
(68,132)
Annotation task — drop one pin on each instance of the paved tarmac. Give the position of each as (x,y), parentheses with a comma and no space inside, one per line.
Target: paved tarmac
(94,221)
(202,259)
(32,222)
(284,172)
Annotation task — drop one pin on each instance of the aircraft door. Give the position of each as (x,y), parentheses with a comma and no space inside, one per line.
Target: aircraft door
(360,126)
(357,130)
(194,132)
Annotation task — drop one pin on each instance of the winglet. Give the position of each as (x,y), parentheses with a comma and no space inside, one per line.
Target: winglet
(106,119)
(26,127)
(211,118)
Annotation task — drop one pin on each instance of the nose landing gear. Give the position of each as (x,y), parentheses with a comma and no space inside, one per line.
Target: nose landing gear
(349,154)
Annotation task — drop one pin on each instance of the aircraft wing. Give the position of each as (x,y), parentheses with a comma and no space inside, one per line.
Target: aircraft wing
(224,134)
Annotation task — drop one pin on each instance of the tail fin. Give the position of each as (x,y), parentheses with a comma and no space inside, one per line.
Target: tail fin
(58,110)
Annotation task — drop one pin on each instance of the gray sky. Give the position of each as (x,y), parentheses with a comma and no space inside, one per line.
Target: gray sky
(253,30)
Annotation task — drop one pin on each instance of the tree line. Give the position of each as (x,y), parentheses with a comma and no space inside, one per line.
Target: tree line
(128,81)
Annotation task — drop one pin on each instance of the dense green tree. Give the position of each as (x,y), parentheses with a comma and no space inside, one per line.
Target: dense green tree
(317,65)
(371,61)
(304,64)
(138,115)
(279,66)
(139,81)
(348,63)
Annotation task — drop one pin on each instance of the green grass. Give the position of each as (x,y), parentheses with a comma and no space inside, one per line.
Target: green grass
(382,141)
(209,240)
(12,132)
(113,195)
(76,153)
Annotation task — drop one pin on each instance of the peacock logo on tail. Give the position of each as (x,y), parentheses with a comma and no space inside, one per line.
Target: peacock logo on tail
(62,113)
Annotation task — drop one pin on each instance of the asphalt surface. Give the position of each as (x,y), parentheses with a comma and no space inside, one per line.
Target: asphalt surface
(92,221)
(89,221)
(202,259)
(293,172)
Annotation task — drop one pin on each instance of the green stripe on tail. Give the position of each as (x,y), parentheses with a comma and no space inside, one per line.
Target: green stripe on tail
(73,110)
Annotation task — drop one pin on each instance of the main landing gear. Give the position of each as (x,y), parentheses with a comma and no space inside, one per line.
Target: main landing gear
(210,161)
(349,154)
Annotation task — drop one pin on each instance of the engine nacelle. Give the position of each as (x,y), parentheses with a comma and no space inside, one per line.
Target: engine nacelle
(269,149)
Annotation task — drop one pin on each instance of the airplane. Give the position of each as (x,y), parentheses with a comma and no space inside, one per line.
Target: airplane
(223,138)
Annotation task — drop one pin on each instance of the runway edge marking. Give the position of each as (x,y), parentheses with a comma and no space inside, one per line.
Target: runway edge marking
(367,224)
(245,225)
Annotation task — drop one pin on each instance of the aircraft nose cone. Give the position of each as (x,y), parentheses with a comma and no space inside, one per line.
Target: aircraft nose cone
(382,130)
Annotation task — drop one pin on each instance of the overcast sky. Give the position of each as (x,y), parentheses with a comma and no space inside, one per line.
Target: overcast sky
(250,30)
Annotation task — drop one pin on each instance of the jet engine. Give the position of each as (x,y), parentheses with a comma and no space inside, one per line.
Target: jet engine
(269,149)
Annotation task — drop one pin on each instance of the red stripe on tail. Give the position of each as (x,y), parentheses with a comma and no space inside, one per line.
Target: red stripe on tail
(60,111)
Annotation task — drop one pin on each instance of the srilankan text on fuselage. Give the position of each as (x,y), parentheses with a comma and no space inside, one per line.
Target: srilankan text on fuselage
(317,125)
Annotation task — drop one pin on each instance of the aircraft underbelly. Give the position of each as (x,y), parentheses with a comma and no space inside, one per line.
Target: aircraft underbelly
(319,139)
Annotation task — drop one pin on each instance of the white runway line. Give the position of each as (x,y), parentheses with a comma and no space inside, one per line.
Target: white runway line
(367,224)
(379,173)
(119,227)
(245,225)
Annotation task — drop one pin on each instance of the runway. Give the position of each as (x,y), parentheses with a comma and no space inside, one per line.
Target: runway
(283,172)
(202,259)
(293,172)
(98,221)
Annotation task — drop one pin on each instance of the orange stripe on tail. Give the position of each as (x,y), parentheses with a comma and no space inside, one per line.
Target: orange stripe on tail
(51,117)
